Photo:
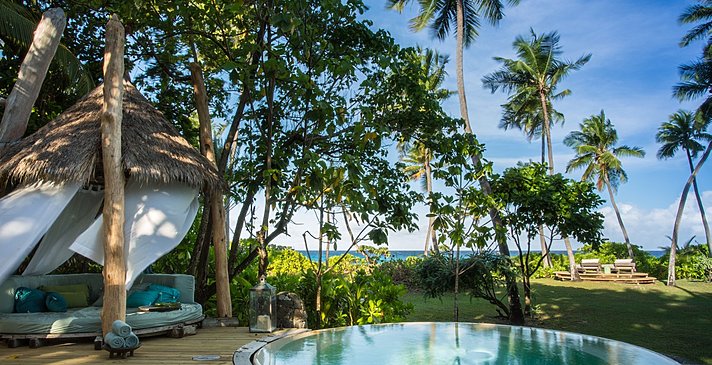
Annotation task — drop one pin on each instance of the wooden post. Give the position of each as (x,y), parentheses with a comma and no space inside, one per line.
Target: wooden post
(217,208)
(114,256)
(31,76)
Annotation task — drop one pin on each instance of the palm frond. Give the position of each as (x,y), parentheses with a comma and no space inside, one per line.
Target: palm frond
(18,25)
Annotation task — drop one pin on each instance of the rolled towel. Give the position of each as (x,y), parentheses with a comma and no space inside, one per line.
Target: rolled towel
(131,341)
(114,341)
(120,328)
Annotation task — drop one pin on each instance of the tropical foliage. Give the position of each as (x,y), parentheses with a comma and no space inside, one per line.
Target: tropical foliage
(531,80)
(596,153)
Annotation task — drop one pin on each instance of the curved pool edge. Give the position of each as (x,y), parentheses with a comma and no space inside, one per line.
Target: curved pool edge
(245,355)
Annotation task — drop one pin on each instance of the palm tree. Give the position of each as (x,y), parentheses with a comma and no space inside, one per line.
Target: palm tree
(417,157)
(678,216)
(683,132)
(596,153)
(417,166)
(467,15)
(693,14)
(531,81)
(17,25)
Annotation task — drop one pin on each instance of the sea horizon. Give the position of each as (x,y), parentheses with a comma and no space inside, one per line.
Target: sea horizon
(403,254)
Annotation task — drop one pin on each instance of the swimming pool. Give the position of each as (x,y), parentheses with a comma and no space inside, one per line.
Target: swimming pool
(450,343)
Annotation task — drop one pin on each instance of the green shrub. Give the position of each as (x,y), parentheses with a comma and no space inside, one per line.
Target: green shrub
(435,275)
(403,271)
(356,298)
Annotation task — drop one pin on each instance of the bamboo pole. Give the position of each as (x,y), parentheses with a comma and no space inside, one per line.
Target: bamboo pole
(114,256)
(218,221)
(33,70)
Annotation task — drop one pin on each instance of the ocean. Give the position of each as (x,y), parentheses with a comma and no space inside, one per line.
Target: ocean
(403,254)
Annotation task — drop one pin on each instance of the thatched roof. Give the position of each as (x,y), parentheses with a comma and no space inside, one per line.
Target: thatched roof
(69,147)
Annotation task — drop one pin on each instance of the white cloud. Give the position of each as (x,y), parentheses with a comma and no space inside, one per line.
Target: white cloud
(649,227)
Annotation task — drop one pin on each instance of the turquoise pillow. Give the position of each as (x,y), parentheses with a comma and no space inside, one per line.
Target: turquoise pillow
(28,300)
(55,302)
(140,298)
(167,294)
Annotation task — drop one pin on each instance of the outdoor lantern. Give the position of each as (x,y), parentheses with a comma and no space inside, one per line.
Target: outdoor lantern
(263,307)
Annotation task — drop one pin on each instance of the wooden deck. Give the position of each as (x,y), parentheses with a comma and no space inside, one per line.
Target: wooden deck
(627,278)
(221,341)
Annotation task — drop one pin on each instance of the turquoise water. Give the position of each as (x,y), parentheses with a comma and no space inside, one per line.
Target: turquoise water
(451,343)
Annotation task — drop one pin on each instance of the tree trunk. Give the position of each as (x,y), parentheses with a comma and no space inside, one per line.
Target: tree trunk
(431,235)
(464,113)
(33,70)
(456,306)
(678,217)
(618,215)
(546,135)
(547,132)
(516,316)
(700,206)
(269,120)
(217,208)
(544,248)
(114,256)
(572,260)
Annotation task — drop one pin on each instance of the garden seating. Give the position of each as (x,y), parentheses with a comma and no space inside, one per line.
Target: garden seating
(624,266)
(590,266)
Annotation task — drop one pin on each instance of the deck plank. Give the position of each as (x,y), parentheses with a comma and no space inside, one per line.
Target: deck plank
(221,341)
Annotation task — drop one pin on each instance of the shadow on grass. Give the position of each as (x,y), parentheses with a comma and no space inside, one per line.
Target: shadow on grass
(674,321)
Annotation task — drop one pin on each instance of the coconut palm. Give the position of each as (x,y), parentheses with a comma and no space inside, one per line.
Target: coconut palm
(417,166)
(597,154)
(680,210)
(684,132)
(466,16)
(17,25)
(531,80)
(417,157)
(695,13)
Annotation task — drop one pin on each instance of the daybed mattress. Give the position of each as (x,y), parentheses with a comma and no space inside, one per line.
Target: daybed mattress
(88,320)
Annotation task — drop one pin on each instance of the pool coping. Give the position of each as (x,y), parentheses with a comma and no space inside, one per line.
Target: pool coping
(243,355)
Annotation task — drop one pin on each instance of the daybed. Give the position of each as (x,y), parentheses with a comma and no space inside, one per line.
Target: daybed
(86,321)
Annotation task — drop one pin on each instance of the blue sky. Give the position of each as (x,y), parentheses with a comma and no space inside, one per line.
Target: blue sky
(634,66)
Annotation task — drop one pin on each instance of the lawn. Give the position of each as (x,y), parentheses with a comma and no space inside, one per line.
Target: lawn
(674,321)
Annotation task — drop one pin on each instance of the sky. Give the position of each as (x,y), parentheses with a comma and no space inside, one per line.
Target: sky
(635,59)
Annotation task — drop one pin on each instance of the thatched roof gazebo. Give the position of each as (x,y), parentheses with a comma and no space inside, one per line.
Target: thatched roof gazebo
(68,149)
(52,173)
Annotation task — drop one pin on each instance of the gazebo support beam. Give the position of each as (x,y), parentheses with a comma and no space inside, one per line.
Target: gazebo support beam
(217,206)
(33,70)
(114,255)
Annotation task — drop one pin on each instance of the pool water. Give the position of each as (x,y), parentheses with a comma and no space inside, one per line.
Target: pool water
(450,343)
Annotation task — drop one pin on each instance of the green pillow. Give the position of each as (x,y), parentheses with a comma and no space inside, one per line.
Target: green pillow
(167,294)
(55,302)
(76,295)
(28,300)
(140,298)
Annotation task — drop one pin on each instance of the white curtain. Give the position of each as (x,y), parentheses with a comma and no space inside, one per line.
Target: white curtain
(157,219)
(25,215)
(54,250)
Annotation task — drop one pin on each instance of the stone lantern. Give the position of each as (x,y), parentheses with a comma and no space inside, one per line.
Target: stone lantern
(263,307)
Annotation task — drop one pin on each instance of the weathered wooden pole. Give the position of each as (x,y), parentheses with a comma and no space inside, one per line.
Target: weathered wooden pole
(114,256)
(33,70)
(217,208)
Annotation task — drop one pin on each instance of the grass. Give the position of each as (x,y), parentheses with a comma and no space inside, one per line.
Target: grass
(675,321)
